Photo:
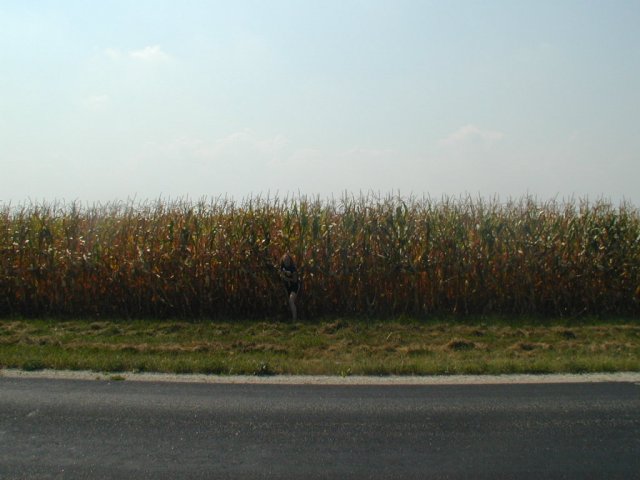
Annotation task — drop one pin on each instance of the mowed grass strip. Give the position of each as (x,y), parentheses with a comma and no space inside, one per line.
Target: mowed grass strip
(331,347)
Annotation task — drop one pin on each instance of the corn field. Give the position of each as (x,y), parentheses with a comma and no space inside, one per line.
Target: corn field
(377,256)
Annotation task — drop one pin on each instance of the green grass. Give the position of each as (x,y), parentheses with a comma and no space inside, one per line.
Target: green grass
(332,347)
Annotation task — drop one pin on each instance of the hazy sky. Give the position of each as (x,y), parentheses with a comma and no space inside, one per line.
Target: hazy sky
(114,99)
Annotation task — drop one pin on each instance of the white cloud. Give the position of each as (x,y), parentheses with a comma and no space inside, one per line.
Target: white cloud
(273,145)
(113,54)
(471,134)
(236,163)
(96,102)
(149,54)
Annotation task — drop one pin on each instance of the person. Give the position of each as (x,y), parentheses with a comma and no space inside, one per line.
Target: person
(289,275)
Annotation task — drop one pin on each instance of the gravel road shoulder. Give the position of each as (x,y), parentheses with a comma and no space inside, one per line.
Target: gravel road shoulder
(630,377)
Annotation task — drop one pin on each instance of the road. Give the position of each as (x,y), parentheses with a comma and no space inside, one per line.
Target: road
(110,429)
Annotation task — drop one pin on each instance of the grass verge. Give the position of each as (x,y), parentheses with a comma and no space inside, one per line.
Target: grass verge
(331,347)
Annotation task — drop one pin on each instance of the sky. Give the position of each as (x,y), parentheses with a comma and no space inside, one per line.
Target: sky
(113,100)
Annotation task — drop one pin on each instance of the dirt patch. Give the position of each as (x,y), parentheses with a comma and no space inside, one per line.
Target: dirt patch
(332,328)
(415,350)
(459,345)
(568,335)
(530,346)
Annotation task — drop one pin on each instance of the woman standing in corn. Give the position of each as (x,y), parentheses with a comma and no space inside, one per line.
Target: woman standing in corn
(289,275)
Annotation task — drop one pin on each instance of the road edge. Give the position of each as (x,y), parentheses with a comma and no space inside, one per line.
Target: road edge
(628,377)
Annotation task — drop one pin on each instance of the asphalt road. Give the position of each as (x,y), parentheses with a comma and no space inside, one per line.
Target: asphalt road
(102,429)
